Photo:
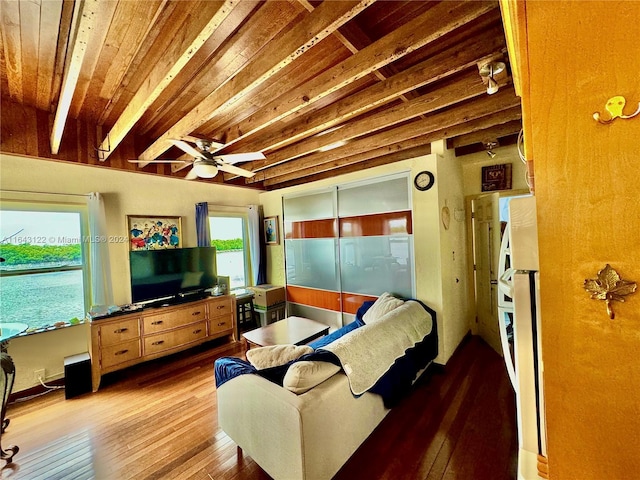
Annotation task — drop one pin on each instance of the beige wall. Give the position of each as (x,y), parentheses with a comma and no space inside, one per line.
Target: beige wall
(125,193)
(454,279)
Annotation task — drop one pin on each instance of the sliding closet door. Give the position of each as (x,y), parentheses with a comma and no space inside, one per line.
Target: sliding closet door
(348,244)
(376,241)
(311,256)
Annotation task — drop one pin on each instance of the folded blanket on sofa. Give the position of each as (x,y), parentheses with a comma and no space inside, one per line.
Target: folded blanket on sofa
(390,337)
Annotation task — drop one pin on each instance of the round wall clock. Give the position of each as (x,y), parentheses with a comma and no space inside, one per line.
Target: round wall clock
(424,180)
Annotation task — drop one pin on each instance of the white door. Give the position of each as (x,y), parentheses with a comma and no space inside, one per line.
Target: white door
(486,250)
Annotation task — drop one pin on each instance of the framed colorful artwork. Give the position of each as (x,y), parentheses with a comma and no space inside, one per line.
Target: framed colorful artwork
(148,232)
(271,236)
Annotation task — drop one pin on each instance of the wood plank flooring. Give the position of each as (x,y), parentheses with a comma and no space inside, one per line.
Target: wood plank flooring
(159,421)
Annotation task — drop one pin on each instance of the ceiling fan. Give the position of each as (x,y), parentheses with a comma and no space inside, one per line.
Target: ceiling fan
(206,163)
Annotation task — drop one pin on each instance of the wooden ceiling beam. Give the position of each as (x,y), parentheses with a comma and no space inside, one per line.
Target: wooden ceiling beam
(160,78)
(483,136)
(104,17)
(364,160)
(63,35)
(127,64)
(275,56)
(467,87)
(85,13)
(30,39)
(353,27)
(439,66)
(243,33)
(137,22)
(397,149)
(50,20)
(502,100)
(10,20)
(307,176)
(436,22)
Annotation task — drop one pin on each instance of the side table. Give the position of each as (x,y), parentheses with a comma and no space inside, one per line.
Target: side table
(7,331)
(245,316)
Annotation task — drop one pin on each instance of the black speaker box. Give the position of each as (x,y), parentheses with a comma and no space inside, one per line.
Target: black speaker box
(77,375)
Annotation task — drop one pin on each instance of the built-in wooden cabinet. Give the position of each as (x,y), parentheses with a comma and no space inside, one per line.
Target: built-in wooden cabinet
(125,340)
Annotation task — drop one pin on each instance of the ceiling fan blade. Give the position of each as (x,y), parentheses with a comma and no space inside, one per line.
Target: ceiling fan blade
(185,147)
(235,170)
(158,161)
(241,157)
(191,175)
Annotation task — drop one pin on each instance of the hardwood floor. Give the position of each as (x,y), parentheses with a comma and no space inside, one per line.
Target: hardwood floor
(159,421)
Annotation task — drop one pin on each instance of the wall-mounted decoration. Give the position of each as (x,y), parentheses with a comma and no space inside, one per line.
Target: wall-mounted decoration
(496,177)
(445,215)
(148,232)
(609,287)
(614,107)
(424,181)
(271,236)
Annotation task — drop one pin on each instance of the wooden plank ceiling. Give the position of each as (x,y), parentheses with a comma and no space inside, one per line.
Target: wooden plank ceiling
(320,88)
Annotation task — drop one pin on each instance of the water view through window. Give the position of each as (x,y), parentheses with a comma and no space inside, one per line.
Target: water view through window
(41,275)
(227,235)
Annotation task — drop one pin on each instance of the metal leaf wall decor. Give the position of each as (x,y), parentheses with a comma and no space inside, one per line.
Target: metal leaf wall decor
(609,287)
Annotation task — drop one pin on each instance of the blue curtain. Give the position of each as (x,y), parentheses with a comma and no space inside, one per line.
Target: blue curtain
(202,224)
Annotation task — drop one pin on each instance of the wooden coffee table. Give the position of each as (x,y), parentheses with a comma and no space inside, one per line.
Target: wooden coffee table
(291,330)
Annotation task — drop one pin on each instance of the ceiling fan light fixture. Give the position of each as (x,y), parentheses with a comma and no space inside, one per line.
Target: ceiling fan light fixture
(488,71)
(205,170)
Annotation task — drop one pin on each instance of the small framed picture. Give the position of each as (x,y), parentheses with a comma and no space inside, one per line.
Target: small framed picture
(496,177)
(271,236)
(149,232)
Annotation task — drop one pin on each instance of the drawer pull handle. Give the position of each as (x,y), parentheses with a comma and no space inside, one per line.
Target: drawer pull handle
(120,330)
(157,322)
(159,342)
(121,352)
(222,323)
(195,332)
(220,307)
(196,313)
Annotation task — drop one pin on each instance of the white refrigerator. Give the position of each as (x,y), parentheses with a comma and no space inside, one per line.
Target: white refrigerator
(518,305)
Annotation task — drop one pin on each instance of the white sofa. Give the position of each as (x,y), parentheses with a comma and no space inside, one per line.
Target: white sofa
(309,436)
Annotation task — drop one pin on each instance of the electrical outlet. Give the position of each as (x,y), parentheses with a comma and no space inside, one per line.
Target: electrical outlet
(39,375)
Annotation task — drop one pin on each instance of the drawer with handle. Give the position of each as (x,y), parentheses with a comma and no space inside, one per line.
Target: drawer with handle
(174,338)
(120,353)
(221,324)
(173,319)
(219,307)
(117,332)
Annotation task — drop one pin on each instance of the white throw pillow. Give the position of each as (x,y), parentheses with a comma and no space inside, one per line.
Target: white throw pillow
(383,305)
(304,375)
(275,355)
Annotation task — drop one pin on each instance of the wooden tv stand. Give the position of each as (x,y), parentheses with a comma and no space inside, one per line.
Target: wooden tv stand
(122,341)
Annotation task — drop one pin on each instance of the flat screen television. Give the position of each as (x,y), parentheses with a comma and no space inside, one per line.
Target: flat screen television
(172,273)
